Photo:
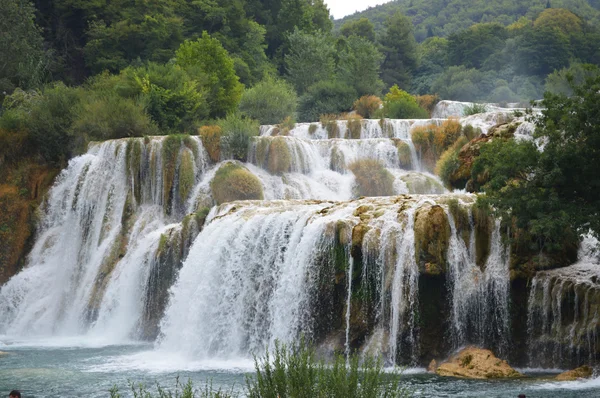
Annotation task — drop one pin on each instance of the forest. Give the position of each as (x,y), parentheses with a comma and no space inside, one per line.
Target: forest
(80,71)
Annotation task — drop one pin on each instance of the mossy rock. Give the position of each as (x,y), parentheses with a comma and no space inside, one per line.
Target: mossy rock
(279,157)
(461,217)
(338,160)
(354,125)
(484,224)
(421,184)
(432,238)
(187,176)
(211,139)
(372,178)
(234,182)
(261,149)
(404,155)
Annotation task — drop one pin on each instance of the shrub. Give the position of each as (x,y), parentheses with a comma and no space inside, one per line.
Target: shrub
(270,101)
(280,158)
(427,102)
(447,134)
(404,154)
(325,97)
(471,132)
(474,109)
(329,123)
(367,105)
(354,124)
(237,131)
(372,178)
(109,116)
(287,125)
(398,104)
(447,165)
(233,182)
(295,372)
(211,139)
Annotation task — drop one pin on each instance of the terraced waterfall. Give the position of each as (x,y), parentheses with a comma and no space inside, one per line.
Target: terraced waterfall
(134,244)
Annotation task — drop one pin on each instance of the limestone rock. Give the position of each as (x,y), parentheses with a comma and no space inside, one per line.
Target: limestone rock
(476,363)
(582,372)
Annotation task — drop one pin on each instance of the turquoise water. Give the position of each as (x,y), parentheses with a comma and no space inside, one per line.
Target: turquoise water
(51,370)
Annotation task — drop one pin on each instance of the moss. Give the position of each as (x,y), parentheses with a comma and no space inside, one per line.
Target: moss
(338,160)
(404,155)
(280,158)
(482,218)
(233,182)
(170,153)
(312,129)
(162,244)
(372,178)
(461,220)
(189,143)
(211,139)
(329,123)
(136,168)
(354,125)
(287,125)
(187,176)
(432,237)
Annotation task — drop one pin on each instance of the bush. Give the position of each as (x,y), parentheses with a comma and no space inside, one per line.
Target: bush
(398,104)
(447,165)
(367,105)
(280,158)
(404,154)
(427,102)
(233,182)
(329,123)
(237,131)
(325,97)
(211,139)
(295,372)
(270,101)
(287,125)
(104,117)
(474,109)
(354,124)
(372,178)
(447,134)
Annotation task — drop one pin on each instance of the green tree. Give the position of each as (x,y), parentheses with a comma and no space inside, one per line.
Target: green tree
(325,97)
(361,27)
(551,192)
(400,51)
(209,57)
(540,51)
(270,101)
(471,47)
(149,30)
(24,62)
(359,66)
(310,59)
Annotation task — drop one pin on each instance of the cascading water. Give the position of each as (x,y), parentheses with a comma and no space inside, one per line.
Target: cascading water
(128,236)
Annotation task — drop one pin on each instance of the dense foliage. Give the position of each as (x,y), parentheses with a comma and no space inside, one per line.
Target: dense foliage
(550,189)
(95,70)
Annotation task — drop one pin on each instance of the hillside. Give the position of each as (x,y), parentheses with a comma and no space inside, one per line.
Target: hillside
(443,17)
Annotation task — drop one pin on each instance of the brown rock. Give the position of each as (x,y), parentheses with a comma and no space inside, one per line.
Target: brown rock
(582,372)
(476,363)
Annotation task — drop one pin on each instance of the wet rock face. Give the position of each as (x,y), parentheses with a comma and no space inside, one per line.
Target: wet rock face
(582,372)
(476,363)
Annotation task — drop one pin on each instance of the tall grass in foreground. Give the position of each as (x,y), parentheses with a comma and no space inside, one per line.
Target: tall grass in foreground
(295,372)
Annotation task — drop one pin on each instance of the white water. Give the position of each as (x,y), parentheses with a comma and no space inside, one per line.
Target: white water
(259,271)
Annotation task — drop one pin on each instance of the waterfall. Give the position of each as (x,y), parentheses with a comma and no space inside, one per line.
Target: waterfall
(563,321)
(96,246)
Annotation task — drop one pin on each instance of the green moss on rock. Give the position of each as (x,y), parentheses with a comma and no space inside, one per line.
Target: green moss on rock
(234,182)
(187,176)
(280,158)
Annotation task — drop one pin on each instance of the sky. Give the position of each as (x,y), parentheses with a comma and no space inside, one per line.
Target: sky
(341,8)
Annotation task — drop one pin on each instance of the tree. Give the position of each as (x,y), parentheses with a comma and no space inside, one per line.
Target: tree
(208,56)
(559,19)
(24,62)
(471,47)
(359,65)
(361,27)
(309,60)
(270,101)
(400,51)
(540,51)
(551,192)
(325,97)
